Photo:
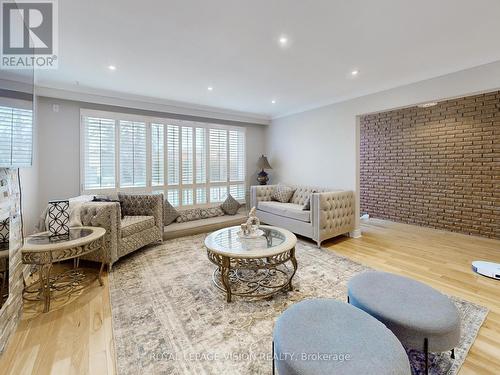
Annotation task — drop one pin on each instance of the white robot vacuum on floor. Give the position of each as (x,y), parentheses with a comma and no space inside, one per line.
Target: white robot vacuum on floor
(488,269)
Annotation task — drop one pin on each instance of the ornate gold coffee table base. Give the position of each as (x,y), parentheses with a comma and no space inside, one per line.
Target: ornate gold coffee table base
(253,277)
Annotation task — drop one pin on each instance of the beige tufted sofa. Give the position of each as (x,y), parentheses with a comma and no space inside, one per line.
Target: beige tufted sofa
(331,213)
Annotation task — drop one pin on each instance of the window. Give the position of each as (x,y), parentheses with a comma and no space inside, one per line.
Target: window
(157,155)
(16,142)
(218,155)
(173,154)
(191,163)
(99,153)
(132,154)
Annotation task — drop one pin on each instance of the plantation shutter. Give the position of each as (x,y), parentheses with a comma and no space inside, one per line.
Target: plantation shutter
(16,137)
(132,154)
(173,154)
(187,155)
(99,153)
(157,155)
(201,159)
(218,155)
(236,155)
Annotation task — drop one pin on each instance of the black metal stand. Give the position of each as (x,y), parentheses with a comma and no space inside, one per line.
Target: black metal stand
(453,353)
(426,351)
(273,357)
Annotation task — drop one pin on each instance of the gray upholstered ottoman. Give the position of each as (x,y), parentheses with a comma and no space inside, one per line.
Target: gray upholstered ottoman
(325,337)
(421,317)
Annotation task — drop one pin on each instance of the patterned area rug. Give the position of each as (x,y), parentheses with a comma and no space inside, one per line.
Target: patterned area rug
(168,318)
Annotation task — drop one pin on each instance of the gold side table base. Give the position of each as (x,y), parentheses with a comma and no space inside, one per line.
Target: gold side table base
(41,252)
(49,286)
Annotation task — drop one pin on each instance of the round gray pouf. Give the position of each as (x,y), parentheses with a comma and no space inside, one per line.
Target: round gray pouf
(412,310)
(325,336)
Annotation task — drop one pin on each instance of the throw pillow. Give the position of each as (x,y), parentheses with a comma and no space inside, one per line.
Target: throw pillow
(307,204)
(282,193)
(169,213)
(230,205)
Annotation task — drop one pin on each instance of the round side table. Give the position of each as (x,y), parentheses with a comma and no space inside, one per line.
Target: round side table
(43,251)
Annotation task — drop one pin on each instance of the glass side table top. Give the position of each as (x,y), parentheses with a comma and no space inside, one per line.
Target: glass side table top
(227,242)
(45,239)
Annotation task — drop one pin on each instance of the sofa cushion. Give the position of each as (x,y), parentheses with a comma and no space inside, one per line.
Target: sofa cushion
(290,210)
(135,224)
(282,193)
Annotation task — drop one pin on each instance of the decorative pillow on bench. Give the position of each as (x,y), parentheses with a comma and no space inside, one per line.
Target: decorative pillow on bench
(198,213)
(230,205)
(169,213)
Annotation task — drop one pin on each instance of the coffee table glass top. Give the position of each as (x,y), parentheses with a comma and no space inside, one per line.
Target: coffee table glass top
(45,239)
(227,242)
(232,241)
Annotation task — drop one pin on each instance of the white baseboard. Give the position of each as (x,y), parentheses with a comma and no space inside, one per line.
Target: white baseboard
(356,233)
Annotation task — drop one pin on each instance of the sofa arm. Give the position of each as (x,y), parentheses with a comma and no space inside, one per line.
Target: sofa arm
(260,193)
(143,205)
(333,214)
(105,215)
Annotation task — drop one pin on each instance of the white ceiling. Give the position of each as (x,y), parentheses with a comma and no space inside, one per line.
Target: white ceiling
(175,49)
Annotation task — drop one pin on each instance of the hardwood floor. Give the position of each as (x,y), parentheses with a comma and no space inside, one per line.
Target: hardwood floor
(76,336)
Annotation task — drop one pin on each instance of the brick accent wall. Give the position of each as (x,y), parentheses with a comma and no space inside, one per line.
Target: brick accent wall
(437,167)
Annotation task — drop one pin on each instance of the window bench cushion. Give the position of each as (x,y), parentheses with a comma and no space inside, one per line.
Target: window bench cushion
(194,214)
(211,224)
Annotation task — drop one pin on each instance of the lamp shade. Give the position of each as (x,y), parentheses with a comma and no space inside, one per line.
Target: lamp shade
(263,163)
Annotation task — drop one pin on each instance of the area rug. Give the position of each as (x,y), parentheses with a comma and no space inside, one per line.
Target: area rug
(168,318)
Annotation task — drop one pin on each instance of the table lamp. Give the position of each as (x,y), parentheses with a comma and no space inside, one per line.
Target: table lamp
(262,176)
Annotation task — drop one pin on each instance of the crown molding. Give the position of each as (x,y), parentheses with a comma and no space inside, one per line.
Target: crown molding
(113,98)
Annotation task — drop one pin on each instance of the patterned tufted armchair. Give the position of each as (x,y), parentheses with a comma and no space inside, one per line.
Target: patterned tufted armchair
(331,213)
(142,224)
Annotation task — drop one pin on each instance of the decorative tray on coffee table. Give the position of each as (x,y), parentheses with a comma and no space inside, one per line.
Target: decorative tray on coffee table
(255,234)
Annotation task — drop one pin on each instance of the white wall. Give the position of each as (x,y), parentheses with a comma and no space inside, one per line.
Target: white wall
(59,146)
(321,146)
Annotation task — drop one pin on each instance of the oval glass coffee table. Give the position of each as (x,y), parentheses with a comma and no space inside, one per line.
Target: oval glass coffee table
(252,267)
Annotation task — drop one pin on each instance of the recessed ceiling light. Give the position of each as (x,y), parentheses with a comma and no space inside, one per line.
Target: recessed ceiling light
(283,40)
(112,67)
(427,105)
(354,73)
(273,101)
(210,88)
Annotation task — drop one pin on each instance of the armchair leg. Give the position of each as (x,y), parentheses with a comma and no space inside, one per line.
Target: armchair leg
(318,243)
